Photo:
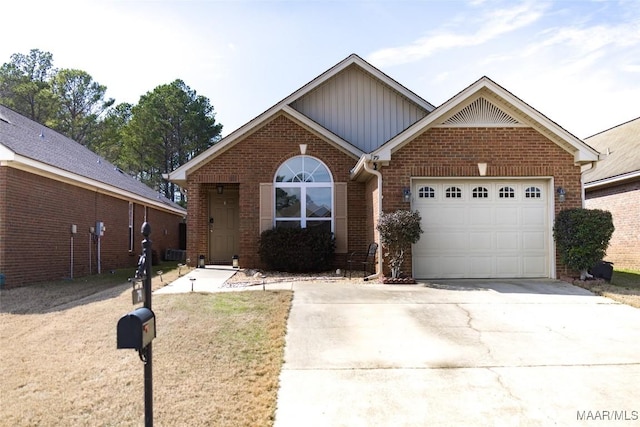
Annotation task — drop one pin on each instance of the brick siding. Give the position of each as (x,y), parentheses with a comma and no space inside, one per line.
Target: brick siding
(36,214)
(623,201)
(456,152)
(255,160)
(438,152)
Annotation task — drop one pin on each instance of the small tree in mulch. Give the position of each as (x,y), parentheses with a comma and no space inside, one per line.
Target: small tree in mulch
(398,231)
(582,237)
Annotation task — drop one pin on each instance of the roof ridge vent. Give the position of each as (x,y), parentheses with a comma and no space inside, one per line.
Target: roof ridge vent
(481,113)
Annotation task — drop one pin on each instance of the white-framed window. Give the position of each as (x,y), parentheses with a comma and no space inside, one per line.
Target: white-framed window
(131,209)
(506,193)
(426,193)
(480,193)
(304,194)
(532,193)
(453,193)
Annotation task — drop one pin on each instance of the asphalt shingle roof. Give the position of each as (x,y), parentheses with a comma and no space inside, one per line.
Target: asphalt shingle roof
(40,143)
(620,148)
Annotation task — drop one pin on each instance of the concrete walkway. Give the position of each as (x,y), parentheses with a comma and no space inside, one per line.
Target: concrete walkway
(208,279)
(459,353)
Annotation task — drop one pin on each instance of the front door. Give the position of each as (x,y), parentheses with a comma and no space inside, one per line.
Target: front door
(224,229)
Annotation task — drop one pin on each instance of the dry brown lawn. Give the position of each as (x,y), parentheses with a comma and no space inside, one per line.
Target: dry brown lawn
(216,358)
(624,287)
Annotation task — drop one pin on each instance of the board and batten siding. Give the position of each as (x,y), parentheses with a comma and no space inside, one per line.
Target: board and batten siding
(360,109)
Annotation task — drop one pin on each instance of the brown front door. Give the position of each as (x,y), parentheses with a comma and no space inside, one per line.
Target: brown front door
(224,229)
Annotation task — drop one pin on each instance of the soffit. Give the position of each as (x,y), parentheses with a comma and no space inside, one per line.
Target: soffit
(504,106)
(180,174)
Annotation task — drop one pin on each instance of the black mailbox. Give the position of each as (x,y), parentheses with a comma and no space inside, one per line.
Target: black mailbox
(136,329)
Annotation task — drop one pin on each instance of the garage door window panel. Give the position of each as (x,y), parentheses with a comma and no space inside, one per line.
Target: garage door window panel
(453,193)
(532,193)
(480,193)
(426,193)
(507,193)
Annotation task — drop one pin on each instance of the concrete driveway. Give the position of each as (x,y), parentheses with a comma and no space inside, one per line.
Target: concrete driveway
(459,353)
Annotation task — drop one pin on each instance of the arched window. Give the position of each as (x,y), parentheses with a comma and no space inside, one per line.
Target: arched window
(506,193)
(480,193)
(426,193)
(303,194)
(453,193)
(532,193)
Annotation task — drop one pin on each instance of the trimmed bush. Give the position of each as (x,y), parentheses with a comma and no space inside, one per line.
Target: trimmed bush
(297,250)
(398,231)
(582,237)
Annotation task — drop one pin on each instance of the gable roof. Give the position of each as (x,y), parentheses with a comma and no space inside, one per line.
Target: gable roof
(28,145)
(620,148)
(504,109)
(292,107)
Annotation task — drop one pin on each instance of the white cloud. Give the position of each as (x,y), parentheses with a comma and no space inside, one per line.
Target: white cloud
(492,25)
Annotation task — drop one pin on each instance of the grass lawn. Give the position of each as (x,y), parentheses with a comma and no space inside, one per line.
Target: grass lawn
(624,287)
(216,359)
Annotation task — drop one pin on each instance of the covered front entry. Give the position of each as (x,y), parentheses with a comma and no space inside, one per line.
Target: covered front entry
(483,228)
(224,224)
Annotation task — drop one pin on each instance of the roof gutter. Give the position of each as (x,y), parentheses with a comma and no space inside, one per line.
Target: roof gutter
(51,172)
(612,180)
(374,171)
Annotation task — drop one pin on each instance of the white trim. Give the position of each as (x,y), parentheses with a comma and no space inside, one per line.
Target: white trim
(179,175)
(303,185)
(612,180)
(57,174)
(582,152)
(6,154)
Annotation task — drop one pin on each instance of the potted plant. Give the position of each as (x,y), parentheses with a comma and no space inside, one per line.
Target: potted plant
(398,231)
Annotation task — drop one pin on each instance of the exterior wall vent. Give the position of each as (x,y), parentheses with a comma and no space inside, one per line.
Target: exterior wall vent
(481,113)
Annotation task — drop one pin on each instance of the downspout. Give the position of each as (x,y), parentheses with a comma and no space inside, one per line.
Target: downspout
(377,173)
(592,166)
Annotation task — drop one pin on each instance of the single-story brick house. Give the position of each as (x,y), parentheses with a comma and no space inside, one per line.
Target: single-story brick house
(57,197)
(484,169)
(614,185)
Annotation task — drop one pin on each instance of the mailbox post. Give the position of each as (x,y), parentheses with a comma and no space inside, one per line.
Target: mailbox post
(137,329)
(148,366)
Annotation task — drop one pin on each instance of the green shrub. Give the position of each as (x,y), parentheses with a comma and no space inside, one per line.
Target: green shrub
(582,237)
(297,250)
(398,231)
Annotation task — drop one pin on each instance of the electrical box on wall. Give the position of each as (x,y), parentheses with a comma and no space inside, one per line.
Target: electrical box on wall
(74,229)
(100,228)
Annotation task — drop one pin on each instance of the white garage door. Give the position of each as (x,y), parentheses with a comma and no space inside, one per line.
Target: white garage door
(482,229)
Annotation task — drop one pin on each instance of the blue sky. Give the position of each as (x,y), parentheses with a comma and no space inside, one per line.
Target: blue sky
(577,62)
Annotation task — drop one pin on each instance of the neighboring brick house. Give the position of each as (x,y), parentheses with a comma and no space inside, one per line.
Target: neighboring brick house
(614,185)
(484,169)
(50,186)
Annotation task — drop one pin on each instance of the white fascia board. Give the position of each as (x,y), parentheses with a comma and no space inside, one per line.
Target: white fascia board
(51,172)
(179,175)
(355,59)
(583,153)
(359,167)
(392,83)
(612,180)
(306,122)
(6,154)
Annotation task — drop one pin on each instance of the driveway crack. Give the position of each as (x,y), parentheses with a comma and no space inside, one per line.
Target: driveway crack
(478,331)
